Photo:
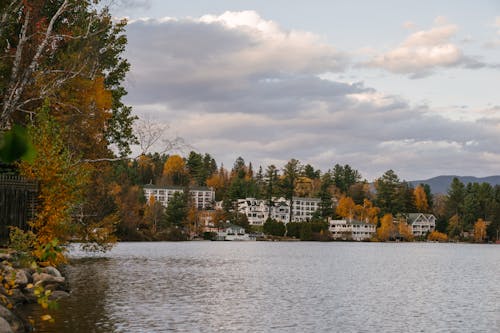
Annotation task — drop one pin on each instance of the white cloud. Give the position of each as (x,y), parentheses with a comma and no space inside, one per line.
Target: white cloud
(424,51)
(239,85)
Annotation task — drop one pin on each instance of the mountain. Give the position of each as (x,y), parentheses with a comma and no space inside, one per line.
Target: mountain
(440,184)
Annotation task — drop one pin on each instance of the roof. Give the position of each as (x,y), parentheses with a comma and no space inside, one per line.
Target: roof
(412,217)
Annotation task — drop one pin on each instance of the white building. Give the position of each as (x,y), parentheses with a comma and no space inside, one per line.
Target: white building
(256,211)
(233,233)
(351,230)
(421,223)
(203,197)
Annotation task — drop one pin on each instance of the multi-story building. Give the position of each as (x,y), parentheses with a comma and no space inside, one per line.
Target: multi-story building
(351,229)
(202,197)
(257,211)
(420,223)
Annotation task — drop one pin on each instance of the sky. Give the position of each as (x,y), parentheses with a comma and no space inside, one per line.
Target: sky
(402,85)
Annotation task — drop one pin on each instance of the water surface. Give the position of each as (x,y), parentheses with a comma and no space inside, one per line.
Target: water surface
(283,287)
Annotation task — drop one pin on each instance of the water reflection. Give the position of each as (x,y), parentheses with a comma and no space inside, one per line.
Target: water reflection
(283,287)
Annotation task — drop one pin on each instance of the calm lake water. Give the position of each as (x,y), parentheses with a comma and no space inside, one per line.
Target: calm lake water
(283,287)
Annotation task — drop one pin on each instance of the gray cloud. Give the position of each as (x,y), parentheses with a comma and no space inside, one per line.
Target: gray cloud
(239,85)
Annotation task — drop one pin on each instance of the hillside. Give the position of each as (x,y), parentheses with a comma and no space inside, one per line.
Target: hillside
(440,184)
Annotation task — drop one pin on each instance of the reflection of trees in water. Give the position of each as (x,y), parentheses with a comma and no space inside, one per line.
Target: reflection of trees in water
(85,309)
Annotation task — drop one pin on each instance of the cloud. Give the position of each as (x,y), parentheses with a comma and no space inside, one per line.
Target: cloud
(239,85)
(424,51)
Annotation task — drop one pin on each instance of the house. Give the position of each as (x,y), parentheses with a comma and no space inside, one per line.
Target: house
(351,229)
(231,232)
(302,209)
(256,211)
(420,223)
(202,197)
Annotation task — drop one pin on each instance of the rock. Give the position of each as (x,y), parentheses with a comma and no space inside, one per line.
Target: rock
(52,271)
(21,278)
(5,256)
(17,297)
(15,324)
(4,326)
(45,278)
(58,294)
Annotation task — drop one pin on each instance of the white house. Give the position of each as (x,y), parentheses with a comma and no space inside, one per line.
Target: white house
(421,223)
(203,197)
(351,229)
(302,209)
(233,232)
(255,210)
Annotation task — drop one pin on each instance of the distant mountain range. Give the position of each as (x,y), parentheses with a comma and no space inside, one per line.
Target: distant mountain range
(441,184)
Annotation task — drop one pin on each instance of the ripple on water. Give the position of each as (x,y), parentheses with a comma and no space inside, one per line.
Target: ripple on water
(283,287)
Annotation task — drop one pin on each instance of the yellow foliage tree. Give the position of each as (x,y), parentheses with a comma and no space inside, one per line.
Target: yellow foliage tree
(367,212)
(421,202)
(405,231)
(479,231)
(437,236)
(175,172)
(346,208)
(387,229)
(62,182)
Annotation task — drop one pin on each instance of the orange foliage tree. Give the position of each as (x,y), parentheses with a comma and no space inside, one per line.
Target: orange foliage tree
(479,231)
(175,171)
(62,181)
(437,236)
(387,229)
(421,202)
(346,208)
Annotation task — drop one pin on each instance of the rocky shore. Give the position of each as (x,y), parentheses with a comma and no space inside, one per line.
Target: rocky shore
(21,286)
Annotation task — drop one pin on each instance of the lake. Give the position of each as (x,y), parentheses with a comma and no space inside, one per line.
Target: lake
(282,287)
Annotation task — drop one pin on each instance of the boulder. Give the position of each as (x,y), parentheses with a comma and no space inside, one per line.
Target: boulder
(15,324)
(4,326)
(52,271)
(21,278)
(44,278)
(58,294)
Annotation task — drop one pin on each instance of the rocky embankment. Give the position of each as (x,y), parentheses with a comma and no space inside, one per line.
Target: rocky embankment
(21,286)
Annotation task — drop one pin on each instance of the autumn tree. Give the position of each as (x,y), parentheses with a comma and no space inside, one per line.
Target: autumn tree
(387,229)
(437,236)
(175,172)
(346,208)
(405,231)
(479,231)
(421,199)
(62,182)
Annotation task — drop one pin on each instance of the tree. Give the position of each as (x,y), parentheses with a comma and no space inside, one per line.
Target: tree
(386,187)
(291,173)
(62,182)
(325,194)
(421,202)
(405,231)
(437,236)
(479,231)
(174,171)
(387,229)
(177,210)
(455,227)
(456,196)
(49,48)
(274,228)
(346,208)
(344,177)
(154,214)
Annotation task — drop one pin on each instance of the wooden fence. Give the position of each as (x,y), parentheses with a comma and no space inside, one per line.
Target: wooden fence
(18,198)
